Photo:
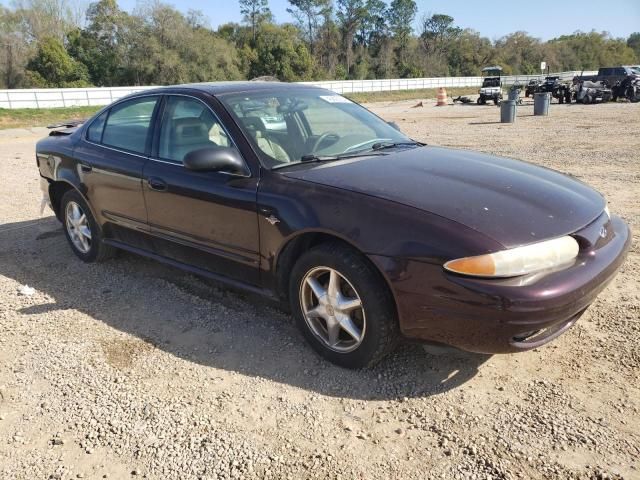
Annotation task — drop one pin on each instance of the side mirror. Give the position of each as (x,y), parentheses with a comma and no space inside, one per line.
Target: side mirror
(394,125)
(215,159)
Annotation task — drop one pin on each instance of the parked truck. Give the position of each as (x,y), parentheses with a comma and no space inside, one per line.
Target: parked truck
(610,75)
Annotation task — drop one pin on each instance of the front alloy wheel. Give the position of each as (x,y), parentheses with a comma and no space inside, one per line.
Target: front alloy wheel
(342,305)
(332,309)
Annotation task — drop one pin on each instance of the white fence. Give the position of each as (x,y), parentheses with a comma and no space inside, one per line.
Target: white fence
(63,97)
(71,97)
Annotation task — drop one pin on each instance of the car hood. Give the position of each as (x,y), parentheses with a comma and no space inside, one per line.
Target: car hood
(513,202)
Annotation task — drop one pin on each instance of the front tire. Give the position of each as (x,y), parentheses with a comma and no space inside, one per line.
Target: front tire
(82,230)
(342,306)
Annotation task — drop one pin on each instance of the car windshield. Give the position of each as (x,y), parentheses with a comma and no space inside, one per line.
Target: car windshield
(296,125)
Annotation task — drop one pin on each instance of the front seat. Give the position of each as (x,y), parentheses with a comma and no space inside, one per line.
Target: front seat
(185,135)
(256,126)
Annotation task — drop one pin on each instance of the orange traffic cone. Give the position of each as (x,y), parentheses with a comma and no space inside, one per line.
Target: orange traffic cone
(442,97)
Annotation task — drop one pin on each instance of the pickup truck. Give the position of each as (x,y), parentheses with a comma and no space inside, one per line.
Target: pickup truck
(610,75)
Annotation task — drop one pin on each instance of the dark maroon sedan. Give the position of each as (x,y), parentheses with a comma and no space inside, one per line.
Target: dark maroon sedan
(302,195)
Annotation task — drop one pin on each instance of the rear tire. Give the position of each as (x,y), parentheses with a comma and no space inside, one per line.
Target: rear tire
(359,307)
(81,229)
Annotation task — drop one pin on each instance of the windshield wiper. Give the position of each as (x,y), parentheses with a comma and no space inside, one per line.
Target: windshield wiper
(318,158)
(326,158)
(385,145)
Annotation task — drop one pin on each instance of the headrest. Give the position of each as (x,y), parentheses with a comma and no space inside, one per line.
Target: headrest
(253,123)
(189,130)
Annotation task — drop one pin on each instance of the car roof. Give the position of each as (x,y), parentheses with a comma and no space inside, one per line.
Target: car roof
(223,88)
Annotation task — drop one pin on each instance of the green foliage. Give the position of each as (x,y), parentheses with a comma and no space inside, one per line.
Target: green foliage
(469,53)
(520,53)
(350,14)
(14,50)
(633,42)
(255,13)
(309,14)
(589,51)
(54,67)
(280,53)
(401,16)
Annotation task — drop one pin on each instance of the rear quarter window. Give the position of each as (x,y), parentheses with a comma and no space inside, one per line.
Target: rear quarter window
(94,132)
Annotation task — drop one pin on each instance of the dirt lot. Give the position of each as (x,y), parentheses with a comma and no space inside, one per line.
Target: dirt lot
(132,369)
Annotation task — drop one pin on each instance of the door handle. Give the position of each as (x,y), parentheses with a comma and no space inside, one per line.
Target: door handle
(157,184)
(85,168)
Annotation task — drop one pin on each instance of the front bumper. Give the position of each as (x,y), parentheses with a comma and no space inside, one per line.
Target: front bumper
(506,315)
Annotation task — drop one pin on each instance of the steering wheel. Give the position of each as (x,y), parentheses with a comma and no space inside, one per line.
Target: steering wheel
(321,139)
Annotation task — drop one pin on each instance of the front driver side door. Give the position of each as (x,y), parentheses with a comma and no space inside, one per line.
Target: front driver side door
(204,219)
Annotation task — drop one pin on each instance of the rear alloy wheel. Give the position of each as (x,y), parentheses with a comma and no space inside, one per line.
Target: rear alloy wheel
(78,228)
(342,306)
(81,229)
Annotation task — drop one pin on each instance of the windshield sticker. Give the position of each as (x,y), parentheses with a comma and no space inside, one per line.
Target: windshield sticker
(334,99)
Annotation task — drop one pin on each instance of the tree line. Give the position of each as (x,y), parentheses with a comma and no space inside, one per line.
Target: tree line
(58,43)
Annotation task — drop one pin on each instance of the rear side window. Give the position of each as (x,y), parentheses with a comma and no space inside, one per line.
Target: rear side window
(94,132)
(127,126)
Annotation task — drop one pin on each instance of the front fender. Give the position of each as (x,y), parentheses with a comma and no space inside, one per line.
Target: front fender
(291,207)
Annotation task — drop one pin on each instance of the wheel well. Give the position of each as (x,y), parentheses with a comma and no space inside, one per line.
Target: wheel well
(302,243)
(56,192)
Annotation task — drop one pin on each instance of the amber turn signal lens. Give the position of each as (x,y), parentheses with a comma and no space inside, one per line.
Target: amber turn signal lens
(482,265)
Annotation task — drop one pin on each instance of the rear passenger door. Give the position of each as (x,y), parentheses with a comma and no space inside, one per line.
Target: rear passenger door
(112,154)
(205,219)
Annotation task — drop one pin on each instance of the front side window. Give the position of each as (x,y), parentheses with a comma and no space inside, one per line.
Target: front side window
(128,123)
(189,125)
(287,126)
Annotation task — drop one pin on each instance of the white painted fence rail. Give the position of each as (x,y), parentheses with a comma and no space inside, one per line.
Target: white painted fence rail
(72,97)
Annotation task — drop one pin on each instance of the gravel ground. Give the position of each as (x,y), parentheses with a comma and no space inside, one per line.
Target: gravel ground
(131,369)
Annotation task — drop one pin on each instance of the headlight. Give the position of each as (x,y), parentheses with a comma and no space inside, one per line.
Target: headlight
(518,261)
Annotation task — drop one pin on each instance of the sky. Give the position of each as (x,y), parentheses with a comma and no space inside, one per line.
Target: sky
(544,19)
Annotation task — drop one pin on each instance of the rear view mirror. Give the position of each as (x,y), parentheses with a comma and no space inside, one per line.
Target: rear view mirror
(215,159)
